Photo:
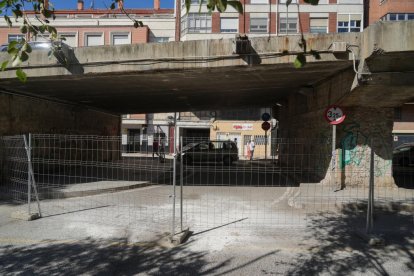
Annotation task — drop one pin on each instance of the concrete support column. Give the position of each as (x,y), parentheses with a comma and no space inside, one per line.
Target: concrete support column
(363,129)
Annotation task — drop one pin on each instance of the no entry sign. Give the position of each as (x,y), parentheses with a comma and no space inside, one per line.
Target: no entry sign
(334,115)
(266,126)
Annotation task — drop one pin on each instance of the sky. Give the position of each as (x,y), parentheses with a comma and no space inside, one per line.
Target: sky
(71,4)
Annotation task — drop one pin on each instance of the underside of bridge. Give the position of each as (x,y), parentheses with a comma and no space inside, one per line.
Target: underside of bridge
(178,90)
(88,96)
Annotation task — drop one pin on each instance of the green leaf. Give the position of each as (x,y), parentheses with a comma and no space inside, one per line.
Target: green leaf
(12,45)
(7,19)
(3,4)
(23,29)
(27,48)
(288,2)
(4,65)
(187,6)
(21,75)
(13,51)
(24,56)
(315,54)
(47,13)
(42,29)
(112,7)
(51,30)
(17,13)
(300,61)
(236,5)
(138,24)
(221,5)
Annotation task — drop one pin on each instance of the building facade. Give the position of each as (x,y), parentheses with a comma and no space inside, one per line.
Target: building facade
(269,17)
(388,10)
(84,27)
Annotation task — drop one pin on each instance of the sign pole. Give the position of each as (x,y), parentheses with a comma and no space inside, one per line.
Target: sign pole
(265,145)
(334,156)
(334,115)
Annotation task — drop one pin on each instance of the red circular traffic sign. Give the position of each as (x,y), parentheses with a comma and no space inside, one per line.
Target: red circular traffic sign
(266,126)
(334,115)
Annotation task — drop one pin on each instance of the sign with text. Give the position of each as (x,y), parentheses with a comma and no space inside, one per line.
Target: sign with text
(243,126)
(334,115)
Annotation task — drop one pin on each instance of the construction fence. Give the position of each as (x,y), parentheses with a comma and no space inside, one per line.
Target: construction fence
(205,185)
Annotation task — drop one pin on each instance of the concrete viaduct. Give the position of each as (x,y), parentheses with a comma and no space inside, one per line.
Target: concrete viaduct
(85,90)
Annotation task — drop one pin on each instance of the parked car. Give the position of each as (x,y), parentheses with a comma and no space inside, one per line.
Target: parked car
(210,152)
(404,155)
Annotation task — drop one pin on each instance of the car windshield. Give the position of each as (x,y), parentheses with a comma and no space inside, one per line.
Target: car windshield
(189,146)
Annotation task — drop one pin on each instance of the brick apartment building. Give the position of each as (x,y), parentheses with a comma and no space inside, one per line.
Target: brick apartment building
(388,10)
(83,27)
(269,17)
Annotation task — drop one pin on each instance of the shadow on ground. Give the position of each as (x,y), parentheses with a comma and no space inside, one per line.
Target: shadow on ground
(341,248)
(103,257)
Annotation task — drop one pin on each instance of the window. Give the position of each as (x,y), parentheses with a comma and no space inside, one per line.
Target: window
(193,2)
(94,40)
(349,2)
(15,37)
(196,23)
(349,23)
(258,25)
(160,39)
(319,25)
(292,25)
(284,1)
(229,25)
(69,39)
(259,1)
(120,39)
(398,16)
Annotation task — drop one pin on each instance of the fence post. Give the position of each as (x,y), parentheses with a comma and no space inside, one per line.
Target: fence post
(370,209)
(174,175)
(181,182)
(30,178)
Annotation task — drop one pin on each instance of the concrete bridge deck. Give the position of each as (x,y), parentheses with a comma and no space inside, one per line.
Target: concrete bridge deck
(207,74)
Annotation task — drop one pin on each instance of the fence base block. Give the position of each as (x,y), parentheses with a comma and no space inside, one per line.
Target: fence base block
(181,237)
(21,215)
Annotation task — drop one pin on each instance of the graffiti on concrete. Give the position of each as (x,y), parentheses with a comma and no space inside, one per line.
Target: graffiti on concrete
(355,146)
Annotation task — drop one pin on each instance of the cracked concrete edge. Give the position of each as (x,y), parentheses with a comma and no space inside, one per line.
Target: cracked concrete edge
(22,215)
(60,195)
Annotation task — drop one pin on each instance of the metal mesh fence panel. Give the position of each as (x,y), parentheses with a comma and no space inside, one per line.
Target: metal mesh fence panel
(91,178)
(13,169)
(219,186)
(284,187)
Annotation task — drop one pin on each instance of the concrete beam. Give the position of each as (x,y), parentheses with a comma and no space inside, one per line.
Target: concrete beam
(177,55)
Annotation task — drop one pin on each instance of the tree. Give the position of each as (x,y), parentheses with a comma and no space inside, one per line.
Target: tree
(44,13)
